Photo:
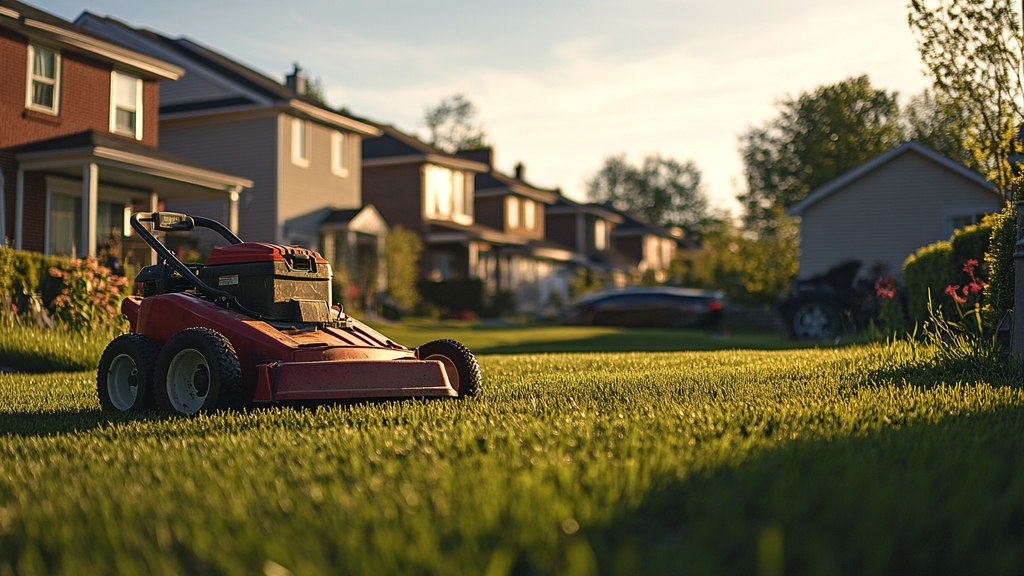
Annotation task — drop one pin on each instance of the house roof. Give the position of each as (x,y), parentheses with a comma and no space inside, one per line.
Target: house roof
(866,168)
(396,147)
(37,24)
(255,82)
(634,224)
(117,149)
(564,205)
(448,232)
(494,183)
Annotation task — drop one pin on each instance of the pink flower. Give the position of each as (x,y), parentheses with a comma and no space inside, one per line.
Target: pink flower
(885,289)
(970,265)
(952,291)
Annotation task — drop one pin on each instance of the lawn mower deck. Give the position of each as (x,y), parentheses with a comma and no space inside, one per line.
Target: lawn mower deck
(254,325)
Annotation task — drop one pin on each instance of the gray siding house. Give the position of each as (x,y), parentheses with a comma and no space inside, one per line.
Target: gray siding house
(304,159)
(884,210)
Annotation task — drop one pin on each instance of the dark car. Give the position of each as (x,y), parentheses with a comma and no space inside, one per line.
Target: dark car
(826,305)
(657,306)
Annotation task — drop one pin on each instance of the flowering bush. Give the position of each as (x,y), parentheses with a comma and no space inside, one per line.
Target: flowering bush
(90,295)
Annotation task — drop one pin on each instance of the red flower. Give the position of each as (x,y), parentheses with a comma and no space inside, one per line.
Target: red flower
(885,289)
(952,291)
(970,265)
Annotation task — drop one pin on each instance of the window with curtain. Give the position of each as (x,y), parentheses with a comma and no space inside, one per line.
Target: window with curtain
(44,79)
(126,105)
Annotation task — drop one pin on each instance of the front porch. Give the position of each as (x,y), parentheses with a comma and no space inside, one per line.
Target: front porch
(74,194)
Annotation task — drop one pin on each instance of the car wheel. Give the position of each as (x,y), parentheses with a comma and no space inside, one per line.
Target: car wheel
(124,380)
(198,371)
(816,320)
(459,364)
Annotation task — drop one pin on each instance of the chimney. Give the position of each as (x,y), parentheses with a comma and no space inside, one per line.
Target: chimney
(485,155)
(520,171)
(296,81)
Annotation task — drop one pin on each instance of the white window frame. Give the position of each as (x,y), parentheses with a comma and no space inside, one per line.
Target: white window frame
(55,109)
(457,206)
(114,129)
(600,234)
(529,214)
(512,213)
(339,154)
(300,139)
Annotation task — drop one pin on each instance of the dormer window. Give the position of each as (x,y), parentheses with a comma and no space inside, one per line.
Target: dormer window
(43,92)
(126,105)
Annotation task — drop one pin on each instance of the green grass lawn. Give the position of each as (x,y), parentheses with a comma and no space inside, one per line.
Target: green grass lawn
(486,338)
(859,460)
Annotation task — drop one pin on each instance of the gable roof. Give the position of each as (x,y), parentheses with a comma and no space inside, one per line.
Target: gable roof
(256,89)
(393,146)
(564,205)
(634,224)
(37,24)
(494,183)
(866,168)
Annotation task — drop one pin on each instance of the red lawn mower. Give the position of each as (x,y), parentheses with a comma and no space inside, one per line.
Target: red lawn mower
(252,326)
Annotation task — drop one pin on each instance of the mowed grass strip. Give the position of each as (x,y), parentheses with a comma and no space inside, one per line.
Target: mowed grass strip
(856,460)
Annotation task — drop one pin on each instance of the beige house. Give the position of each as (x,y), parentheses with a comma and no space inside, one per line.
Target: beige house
(303,158)
(884,210)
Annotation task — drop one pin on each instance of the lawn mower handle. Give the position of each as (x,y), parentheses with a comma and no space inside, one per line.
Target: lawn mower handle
(164,254)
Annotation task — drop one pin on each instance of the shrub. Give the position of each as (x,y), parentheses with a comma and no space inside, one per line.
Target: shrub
(998,295)
(402,249)
(90,295)
(934,267)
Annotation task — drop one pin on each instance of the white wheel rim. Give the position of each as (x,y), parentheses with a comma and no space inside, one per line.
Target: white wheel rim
(123,382)
(186,392)
(449,368)
(813,322)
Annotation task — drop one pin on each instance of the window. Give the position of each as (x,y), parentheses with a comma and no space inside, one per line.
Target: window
(512,209)
(339,154)
(448,195)
(958,221)
(43,92)
(600,235)
(530,214)
(126,105)
(66,223)
(300,142)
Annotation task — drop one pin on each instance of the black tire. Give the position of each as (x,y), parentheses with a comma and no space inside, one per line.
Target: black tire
(198,371)
(124,380)
(816,319)
(459,363)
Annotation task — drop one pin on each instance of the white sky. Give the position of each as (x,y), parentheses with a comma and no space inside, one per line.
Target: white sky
(560,85)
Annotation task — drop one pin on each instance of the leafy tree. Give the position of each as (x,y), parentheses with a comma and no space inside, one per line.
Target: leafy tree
(661,189)
(929,119)
(972,50)
(453,125)
(316,90)
(816,137)
(402,251)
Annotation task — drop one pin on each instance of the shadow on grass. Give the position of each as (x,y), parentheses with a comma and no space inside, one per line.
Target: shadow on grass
(937,498)
(68,422)
(650,340)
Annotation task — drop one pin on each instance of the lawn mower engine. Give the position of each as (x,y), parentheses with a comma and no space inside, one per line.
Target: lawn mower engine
(254,325)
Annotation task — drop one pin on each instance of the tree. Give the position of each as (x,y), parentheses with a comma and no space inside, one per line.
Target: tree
(663,190)
(972,50)
(816,137)
(929,119)
(453,126)
(316,90)
(402,251)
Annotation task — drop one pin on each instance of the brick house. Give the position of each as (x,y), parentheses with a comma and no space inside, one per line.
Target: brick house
(78,137)
(303,158)
(644,245)
(587,230)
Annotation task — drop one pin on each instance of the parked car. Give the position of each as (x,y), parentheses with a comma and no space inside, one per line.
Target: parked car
(652,306)
(824,306)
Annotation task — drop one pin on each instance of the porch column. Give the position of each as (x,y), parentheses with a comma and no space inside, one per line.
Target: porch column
(90,200)
(474,257)
(353,254)
(233,210)
(19,209)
